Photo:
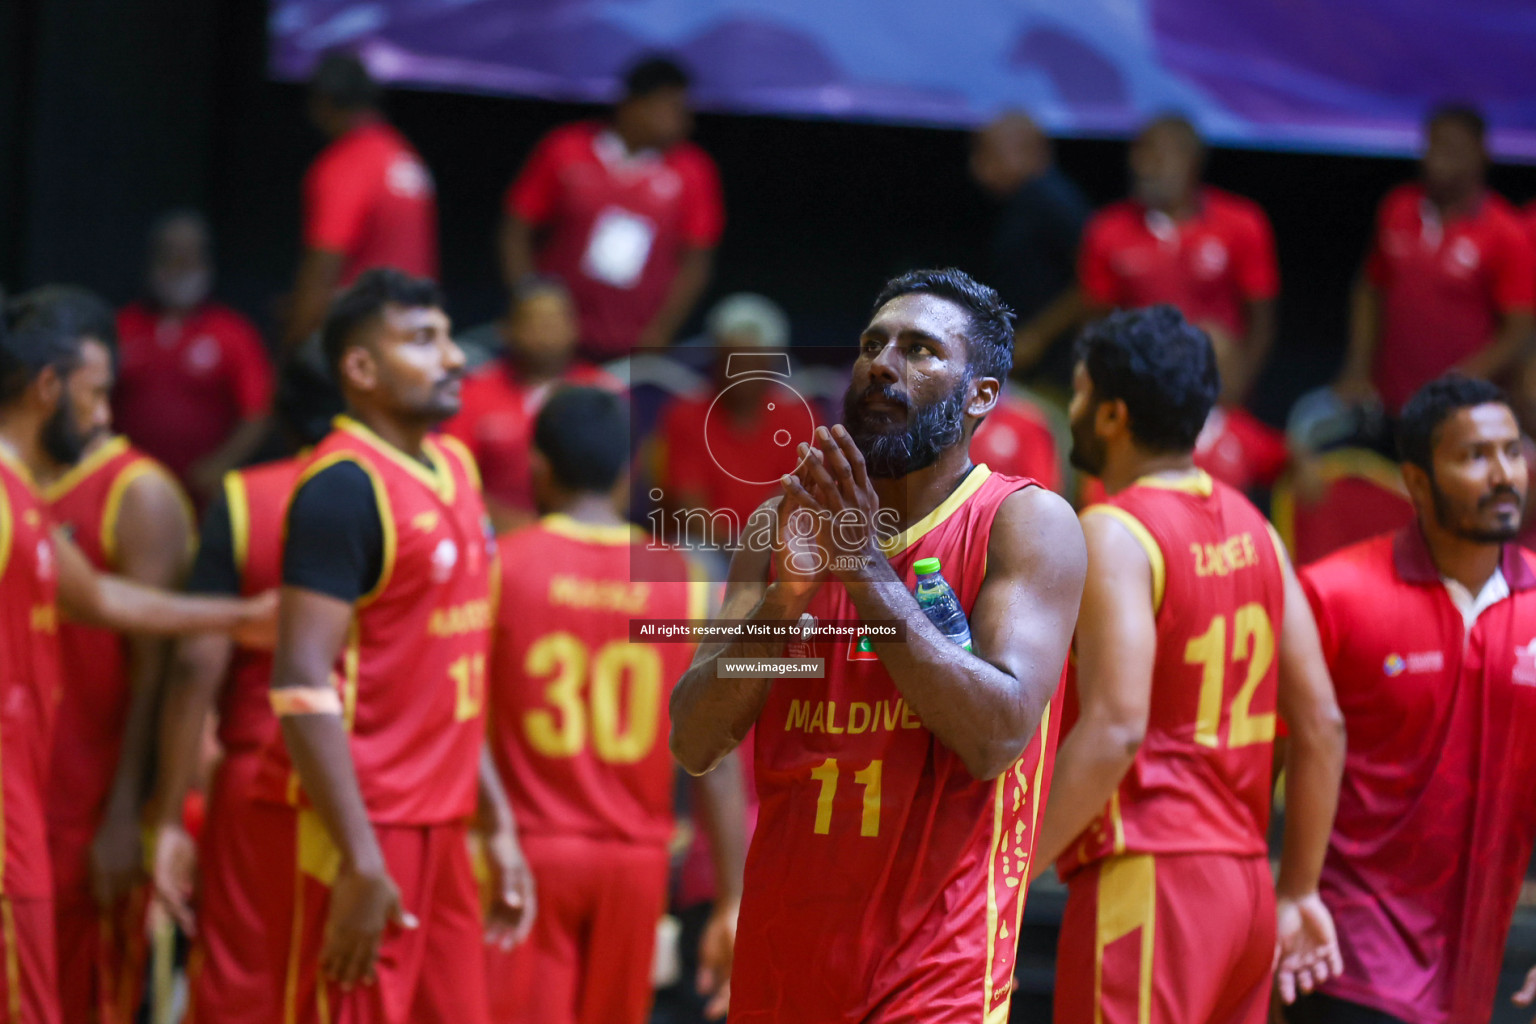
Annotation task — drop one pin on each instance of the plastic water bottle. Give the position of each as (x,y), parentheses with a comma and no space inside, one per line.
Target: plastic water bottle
(938,601)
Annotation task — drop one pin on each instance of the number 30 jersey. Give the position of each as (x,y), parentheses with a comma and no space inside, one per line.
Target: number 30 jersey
(578,711)
(884,882)
(1201,780)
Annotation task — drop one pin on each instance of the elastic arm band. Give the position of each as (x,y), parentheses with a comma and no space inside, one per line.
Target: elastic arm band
(305,700)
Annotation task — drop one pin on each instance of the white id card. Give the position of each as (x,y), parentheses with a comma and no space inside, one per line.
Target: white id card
(618,247)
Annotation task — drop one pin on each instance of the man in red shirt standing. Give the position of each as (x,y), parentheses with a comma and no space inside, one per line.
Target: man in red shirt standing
(50,399)
(1192,641)
(378,684)
(1450,280)
(1206,252)
(578,731)
(127,515)
(194,380)
(627,213)
(1430,635)
(536,345)
(369,201)
(900,791)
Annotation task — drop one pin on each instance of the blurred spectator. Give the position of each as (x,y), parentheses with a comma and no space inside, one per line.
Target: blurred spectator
(501,398)
(723,451)
(194,381)
(1450,279)
(369,201)
(1034,243)
(1016,438)
(627,213)
(1175,240)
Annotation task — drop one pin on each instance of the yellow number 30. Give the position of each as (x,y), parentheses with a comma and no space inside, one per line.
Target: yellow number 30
(622,731)
(1254,642)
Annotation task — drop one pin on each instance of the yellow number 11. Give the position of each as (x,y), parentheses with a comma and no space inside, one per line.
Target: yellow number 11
(869,777)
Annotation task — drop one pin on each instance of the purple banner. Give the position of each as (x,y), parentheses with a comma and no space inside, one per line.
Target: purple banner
(1331,75)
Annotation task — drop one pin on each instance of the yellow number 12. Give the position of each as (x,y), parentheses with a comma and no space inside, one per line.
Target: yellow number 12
(1254,642)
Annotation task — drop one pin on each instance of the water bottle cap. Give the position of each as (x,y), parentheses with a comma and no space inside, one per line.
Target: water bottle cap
(926,566)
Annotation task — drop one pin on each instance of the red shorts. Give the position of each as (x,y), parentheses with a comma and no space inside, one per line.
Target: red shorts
(29,984)
(102,956)
(434,972)
(1167,939)
(588,958)
(232,978)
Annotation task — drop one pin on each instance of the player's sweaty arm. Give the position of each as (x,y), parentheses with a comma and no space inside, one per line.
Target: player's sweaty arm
(1116,650)
(311,630)
(1307,945)
(986,706)
(98,599)
(154,532)
(710,715)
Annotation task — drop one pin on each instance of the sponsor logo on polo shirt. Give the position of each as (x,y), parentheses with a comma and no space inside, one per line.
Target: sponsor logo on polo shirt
(1525,664)
(1416,663)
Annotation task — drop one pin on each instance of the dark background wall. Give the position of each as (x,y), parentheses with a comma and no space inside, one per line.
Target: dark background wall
(111,112)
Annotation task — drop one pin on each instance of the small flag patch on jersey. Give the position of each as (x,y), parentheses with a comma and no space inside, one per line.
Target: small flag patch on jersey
(863,650)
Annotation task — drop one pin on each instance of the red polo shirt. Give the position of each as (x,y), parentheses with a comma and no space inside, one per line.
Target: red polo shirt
(1443,285)
(185,383)
(369,197)
(616,225)
(495,422)
(1015,439)
(1207,266)
(1437,810)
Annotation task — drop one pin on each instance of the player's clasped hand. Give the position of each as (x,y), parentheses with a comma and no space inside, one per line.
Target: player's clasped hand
(1306,945)
(363,905)
(833,481)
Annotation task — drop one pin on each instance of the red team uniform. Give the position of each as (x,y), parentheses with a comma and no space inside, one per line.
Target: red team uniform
(231,979)
(1437,810)
(884,882)
(102,955)
(30,686)
(412,683)
(579,736)
(1170,908)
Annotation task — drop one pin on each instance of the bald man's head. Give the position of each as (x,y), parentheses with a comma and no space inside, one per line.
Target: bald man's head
(1008,152)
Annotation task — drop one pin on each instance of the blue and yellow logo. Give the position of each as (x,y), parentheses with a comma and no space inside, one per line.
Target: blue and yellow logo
(1394,665)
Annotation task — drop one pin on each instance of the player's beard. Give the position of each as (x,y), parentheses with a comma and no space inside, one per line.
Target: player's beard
(1466,526)
(1087,452)
(894,450)
(62,440)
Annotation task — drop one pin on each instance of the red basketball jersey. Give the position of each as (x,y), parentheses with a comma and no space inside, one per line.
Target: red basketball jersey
(579,712)
(88,736)
(884,882)
(257,499)
(1201,780)
(412,675)
(30,680)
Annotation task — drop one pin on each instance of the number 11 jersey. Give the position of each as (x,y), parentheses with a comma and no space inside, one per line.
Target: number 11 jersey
(885,882)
